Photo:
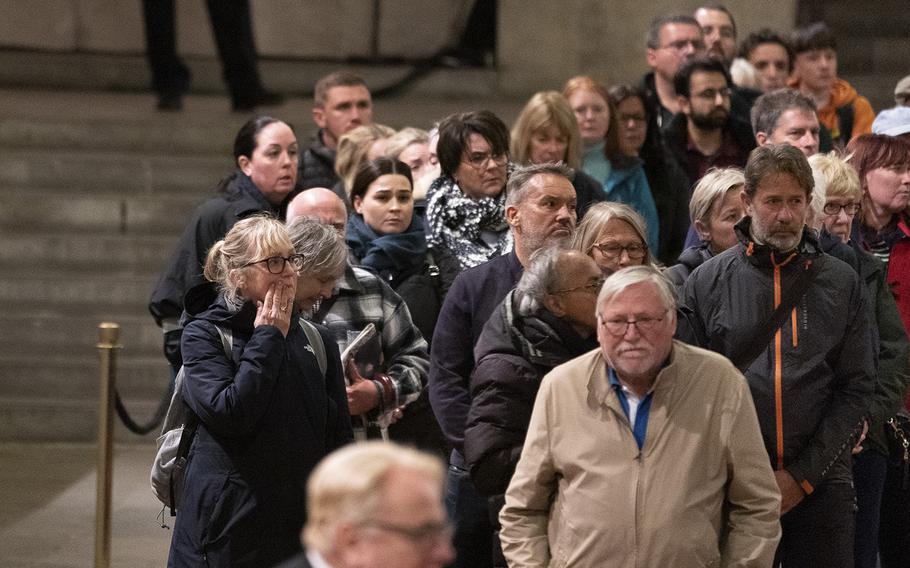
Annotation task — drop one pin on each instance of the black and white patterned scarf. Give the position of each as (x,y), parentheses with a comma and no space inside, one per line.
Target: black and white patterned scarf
(456,222)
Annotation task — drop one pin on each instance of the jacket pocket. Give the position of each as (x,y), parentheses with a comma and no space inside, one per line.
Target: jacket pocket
(233,529)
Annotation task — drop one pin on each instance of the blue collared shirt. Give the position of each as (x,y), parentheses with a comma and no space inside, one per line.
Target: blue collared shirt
(639,415)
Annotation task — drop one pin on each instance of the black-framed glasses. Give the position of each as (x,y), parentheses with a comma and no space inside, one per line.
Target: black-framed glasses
(636,251)
(593,287)
(425,535)
(482,161)
(275,264)
(618,327)
(679,45)
(832,208)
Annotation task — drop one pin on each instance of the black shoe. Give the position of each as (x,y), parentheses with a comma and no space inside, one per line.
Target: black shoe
(263,98)
(170,102)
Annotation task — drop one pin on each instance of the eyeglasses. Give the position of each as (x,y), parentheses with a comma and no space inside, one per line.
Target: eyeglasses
(644,324)
(636,251)
(275,264)
(593,287)
(482,161)
(832,208)
(711,94)
(425,535)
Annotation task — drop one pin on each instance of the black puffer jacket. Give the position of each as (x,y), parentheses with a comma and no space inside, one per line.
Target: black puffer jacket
(513,354)
(813,382)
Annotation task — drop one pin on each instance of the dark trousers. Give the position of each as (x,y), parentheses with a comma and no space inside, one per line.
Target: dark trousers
(468,510)
(894,536)
(819,531)
(869,467)
(233,31)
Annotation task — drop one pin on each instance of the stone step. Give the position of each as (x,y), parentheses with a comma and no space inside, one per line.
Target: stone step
(108,213)
(75,292)
(76,376)
(159,134)
(293,77)
(71,250)
(45,420)
(112,172)
(37,334)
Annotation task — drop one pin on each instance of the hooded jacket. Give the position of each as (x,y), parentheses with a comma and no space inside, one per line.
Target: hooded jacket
(266,418)
(813,383)
(211,221)
(689,260)
(843,94)
(513,354)
(317,167)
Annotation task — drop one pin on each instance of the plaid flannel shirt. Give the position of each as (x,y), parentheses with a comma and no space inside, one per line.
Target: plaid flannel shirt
(362,298)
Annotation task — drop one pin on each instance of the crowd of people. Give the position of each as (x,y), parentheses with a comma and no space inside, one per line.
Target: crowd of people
(661,324)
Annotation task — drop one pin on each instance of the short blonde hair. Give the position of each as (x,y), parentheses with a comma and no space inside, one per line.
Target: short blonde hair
(353,149)
(834,177)
(347,486)
(400,141)
(249,240)
(596,218)
(713,186)
(546,108)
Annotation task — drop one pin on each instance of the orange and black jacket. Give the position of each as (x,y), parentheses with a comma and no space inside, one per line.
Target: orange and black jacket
(813,383)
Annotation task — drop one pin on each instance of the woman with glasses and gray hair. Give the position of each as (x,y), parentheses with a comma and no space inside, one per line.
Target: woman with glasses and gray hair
(614,235)
(265,412)
(715,207)
(466,221)
(548,319)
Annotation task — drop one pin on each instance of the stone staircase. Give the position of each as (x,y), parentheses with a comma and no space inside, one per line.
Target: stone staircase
(95,189)
(90,210)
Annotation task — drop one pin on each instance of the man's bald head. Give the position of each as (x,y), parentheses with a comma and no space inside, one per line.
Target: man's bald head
(320,204)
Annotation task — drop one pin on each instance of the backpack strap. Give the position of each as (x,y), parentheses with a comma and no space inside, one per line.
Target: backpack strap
(315,339)
(747,353)
(845,122)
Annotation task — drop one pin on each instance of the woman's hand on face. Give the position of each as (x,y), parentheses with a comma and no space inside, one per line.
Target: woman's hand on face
(277,307)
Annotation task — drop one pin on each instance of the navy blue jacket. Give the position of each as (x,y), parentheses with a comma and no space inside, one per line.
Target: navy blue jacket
(266,417)
(468,305)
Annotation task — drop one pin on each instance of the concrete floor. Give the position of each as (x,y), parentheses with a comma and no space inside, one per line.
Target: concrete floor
(48,514)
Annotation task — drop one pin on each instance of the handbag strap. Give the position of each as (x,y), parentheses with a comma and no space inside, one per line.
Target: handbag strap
(744,357)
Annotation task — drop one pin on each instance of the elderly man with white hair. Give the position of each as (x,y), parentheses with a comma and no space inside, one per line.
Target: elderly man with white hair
(375,505)
(646,452)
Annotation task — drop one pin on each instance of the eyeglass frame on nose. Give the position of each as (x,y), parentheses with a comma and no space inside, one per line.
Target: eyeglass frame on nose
(424,536)
(620,249)
(296,261)
(482,164)
(855,206)
(643,324)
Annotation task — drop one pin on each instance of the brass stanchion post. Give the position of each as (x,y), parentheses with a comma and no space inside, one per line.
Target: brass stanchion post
(109,342)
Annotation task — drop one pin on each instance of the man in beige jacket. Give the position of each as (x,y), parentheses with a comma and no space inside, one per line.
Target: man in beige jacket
(646,452)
